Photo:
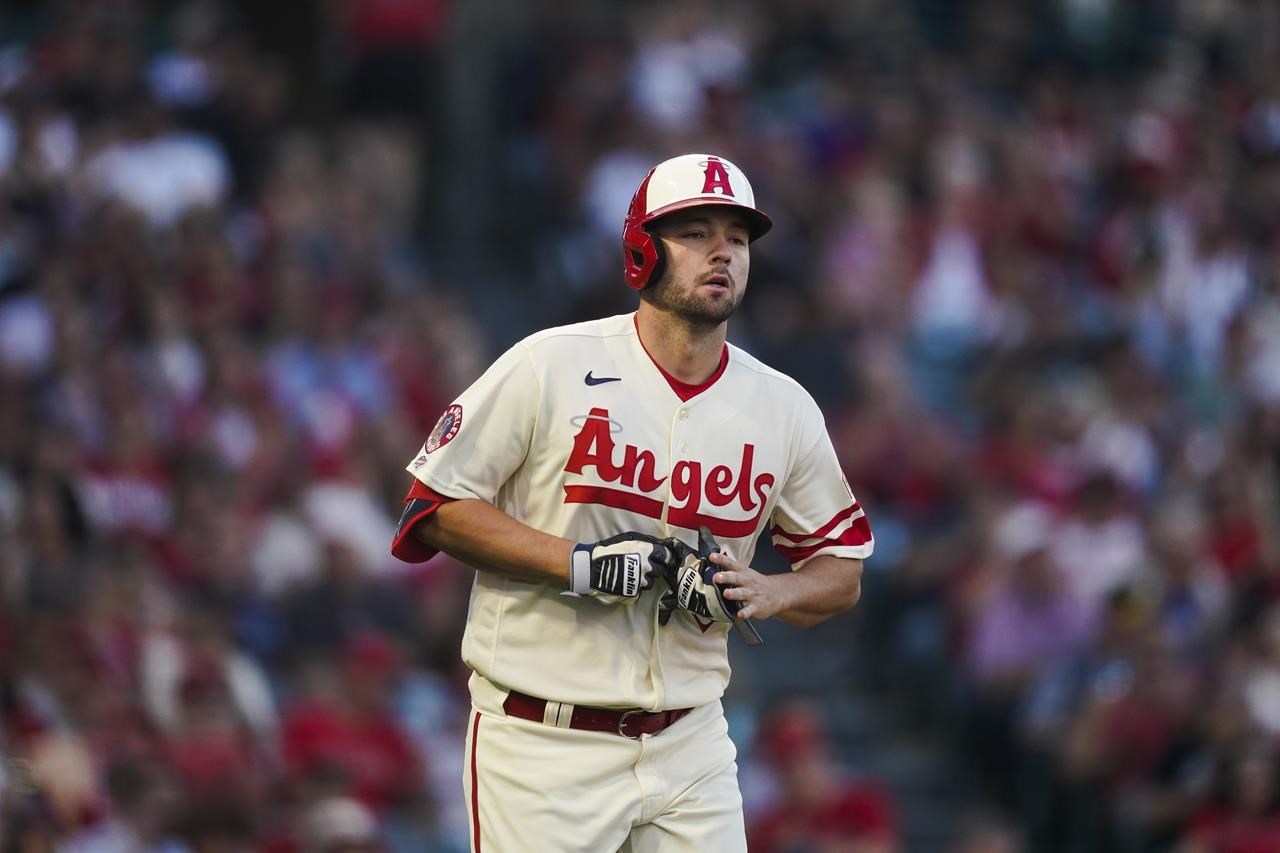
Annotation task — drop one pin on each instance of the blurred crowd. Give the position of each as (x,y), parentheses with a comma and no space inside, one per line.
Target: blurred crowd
(1025,257)
(217,345)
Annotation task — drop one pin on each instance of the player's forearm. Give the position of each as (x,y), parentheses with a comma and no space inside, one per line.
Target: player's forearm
(481,535)
(820,590)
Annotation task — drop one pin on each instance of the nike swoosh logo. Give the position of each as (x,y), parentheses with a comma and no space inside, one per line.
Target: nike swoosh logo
(592,380)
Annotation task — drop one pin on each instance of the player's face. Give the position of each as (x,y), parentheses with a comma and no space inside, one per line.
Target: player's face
(707,265)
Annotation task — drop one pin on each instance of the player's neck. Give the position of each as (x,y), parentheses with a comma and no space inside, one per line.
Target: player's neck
(689,354)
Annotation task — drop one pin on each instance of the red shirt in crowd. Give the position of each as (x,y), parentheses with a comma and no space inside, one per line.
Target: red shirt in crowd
(373,752)
(1223,832)
(857,812)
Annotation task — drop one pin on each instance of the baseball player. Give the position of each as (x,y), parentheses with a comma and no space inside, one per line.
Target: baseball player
(576,475)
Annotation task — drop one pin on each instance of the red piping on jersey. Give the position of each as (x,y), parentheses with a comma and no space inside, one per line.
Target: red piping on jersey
(419,503)
(857,534)
(615,498)
(821,531)
(723,527)
(651,508)
(684,390)
(475,784)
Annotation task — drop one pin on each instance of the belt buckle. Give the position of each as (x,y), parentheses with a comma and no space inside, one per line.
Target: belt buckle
(622,724)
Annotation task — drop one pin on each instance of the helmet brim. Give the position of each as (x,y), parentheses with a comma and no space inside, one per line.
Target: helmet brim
(758,223)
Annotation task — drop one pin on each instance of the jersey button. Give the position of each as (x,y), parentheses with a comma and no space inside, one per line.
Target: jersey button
(684,414)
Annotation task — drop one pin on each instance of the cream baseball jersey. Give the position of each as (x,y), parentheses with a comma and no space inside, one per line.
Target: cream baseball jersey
(576,431)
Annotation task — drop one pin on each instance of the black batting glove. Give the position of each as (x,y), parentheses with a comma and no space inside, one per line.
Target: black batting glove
(689,584)
(618,568)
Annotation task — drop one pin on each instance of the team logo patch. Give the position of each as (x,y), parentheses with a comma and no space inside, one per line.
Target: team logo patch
(446,428)
(715,177)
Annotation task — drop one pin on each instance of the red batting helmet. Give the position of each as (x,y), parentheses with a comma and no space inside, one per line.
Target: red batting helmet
(690,180)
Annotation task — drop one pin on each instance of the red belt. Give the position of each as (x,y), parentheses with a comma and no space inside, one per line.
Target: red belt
(629,724)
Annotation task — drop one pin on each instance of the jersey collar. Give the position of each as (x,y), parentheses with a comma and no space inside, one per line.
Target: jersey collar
(684,390)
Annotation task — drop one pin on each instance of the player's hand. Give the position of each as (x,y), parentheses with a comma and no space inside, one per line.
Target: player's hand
(709,584)
(751,594)
(620,567)
(689,587)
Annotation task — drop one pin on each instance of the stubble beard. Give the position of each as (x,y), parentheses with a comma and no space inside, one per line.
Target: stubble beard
(699,311)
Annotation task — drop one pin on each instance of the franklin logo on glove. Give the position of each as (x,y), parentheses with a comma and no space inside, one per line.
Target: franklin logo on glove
(691,588)
(619,567)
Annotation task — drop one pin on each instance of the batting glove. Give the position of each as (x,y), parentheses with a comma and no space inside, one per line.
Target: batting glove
(690,586)
(619,567)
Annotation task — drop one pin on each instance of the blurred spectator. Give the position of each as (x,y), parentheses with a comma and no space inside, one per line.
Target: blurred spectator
(1028,616)
(343,602)
(339,825)
(159,170)
(1098,546)
(392,61)
(686,53)
(1244,816)
(1023,621)
(346,733)
(1101,724)
(196,665)
(143,818)
(819,806)
(1191,591)
(986,834)
(1261,685)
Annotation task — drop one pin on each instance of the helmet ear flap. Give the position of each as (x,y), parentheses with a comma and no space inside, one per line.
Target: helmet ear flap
(646,260)
(641,253)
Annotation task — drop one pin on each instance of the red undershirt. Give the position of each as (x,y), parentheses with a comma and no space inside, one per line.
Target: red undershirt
(684,390)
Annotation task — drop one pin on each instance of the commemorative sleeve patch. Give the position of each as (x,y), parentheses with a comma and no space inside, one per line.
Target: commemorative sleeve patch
(446,428)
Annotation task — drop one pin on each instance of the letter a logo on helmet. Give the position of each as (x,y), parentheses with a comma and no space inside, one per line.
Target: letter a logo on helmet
(690,180)
(717,178)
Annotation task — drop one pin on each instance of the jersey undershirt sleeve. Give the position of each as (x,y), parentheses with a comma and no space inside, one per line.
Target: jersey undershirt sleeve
(817,513)
(478,443)
(418,504)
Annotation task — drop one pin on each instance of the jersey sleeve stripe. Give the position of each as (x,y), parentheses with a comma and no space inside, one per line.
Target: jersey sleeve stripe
(418,504)
(859,533)
(836,535)
(823,531)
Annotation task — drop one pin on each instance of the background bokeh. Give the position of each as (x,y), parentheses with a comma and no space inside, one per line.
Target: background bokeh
(1025,258)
